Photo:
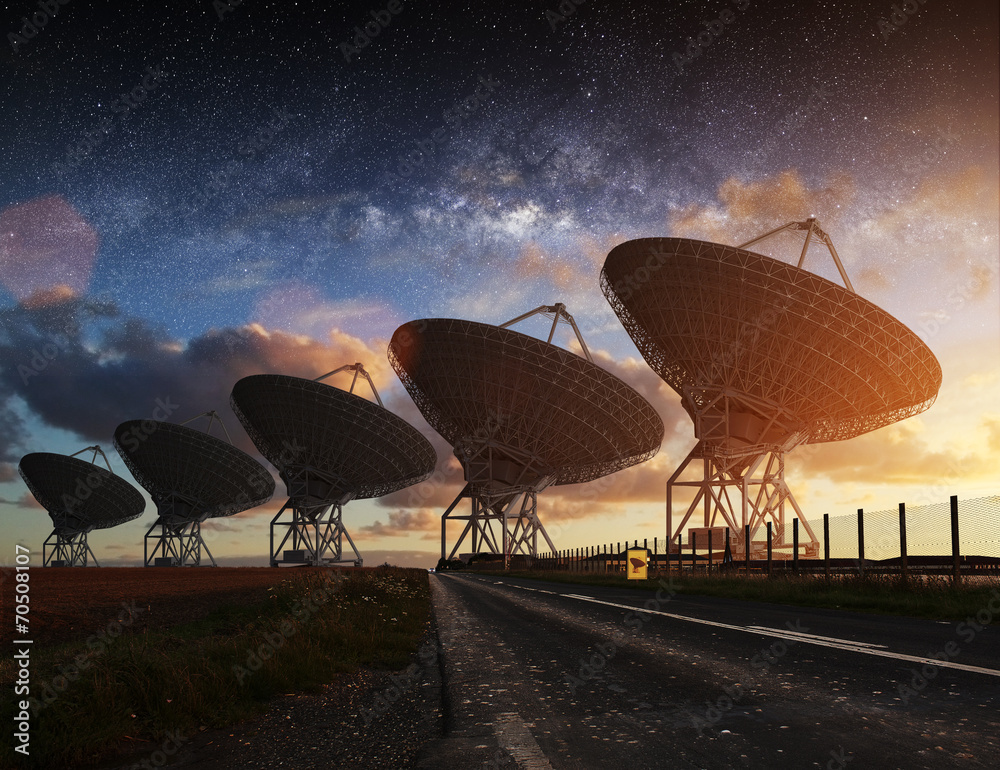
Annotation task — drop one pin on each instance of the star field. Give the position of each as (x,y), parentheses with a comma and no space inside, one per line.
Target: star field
(260,163)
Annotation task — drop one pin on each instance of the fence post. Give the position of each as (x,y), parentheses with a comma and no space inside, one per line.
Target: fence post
(727,553)
(861,542)
(826,545)
(710,550)
(694,550)
(956,569)
(746,548)
(795,545)
(903,565)
(769,548)
(670,526)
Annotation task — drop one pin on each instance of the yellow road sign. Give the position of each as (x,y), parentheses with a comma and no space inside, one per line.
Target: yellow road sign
(636,561)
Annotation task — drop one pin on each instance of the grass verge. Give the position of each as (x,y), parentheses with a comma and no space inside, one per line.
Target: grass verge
(933,598)
(133,691)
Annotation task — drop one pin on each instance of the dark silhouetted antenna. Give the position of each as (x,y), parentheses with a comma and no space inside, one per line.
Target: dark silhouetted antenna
(329,446)
(521,414)
(191,476)
(79,496)
(765,356)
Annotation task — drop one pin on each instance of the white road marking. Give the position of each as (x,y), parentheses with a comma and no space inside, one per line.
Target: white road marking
(516,739)
(800,634)
(796,636)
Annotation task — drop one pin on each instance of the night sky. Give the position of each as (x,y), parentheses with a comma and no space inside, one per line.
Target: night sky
(192,194)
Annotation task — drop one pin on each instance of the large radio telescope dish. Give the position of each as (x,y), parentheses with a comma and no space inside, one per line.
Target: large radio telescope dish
(521,414)
(765,356)
(79,496)
(354,446)
(192,476)
(329,446)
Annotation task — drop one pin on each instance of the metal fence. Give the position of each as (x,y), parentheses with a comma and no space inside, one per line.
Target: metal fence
(956,536)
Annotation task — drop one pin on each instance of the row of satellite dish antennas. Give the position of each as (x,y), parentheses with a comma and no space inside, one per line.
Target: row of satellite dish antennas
(329,446)
(765,356)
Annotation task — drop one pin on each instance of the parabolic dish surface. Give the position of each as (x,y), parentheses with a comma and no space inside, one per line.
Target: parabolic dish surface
(174,462)
(477,383)
(361,447)
(709,317)
(74,491)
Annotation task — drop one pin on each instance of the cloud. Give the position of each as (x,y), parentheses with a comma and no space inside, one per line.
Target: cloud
(298,308)
(897,454)
(992,424)
(80,366)
(534,263)
(28,502)
(747,209)
(25,502)
(405,523)
(42,238)
(946,226)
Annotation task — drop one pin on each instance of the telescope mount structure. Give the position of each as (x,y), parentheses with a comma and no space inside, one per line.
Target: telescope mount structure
(766,356)
(192,476)
(80,496)
(330,446)
(522,415)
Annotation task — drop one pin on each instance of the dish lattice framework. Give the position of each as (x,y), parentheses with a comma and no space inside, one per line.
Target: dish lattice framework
(826,363)
(329,446)
(521,414)
(360,447)
(191,476)
(765,356)
(79,496)
(565,416)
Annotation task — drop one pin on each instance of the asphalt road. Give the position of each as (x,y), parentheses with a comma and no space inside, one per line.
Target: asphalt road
(539,675)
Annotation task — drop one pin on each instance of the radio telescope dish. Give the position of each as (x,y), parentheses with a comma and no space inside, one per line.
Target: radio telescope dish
(765,356)
(192,476)
(80,496)
(522,414)
(329,446)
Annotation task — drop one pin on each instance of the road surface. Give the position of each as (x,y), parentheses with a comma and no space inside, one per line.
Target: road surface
(539,675)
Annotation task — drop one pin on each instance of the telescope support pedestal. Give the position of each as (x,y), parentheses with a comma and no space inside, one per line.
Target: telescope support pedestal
(756,481)
(69,548)
(180,542)
(505,523)
(316,536)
